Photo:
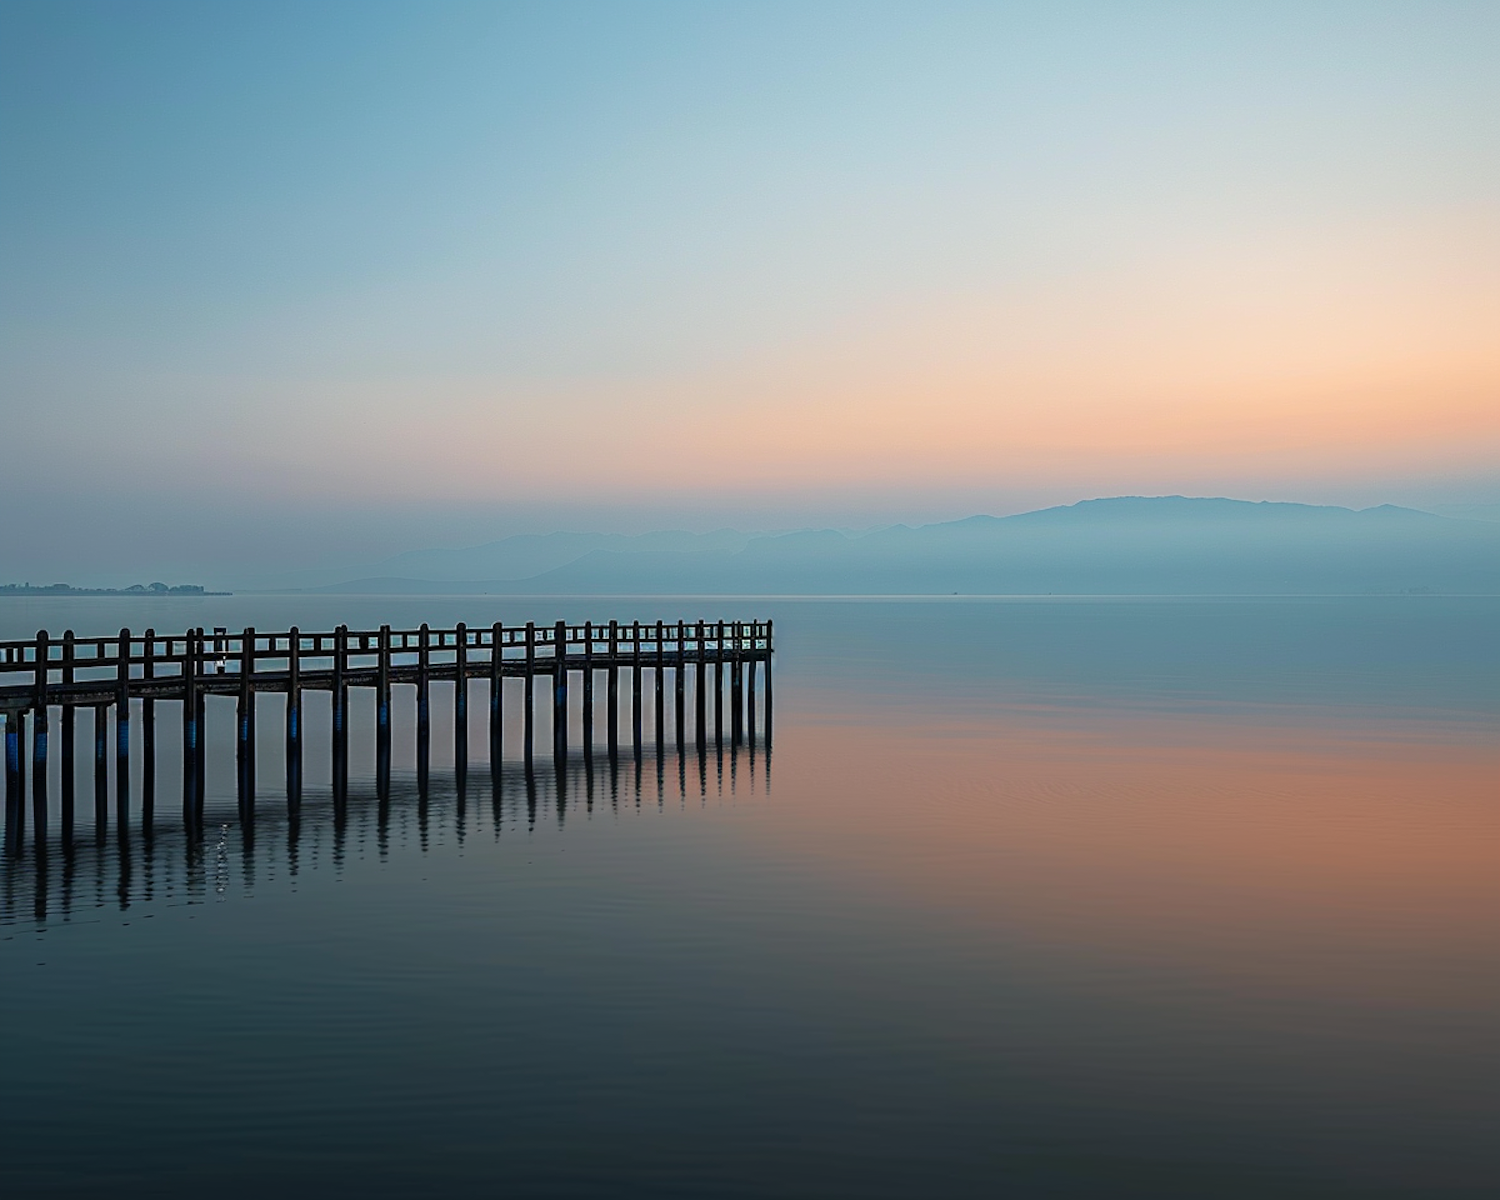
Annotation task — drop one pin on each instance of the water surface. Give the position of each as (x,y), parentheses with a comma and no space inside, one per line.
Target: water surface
(1033,897)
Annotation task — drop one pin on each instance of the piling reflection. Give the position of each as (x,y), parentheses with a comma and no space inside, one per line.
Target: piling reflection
(196,861)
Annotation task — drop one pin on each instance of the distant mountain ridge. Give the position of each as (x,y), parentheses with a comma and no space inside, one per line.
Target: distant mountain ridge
(1129,545)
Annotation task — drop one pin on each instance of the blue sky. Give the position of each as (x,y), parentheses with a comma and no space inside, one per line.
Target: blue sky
(296,282)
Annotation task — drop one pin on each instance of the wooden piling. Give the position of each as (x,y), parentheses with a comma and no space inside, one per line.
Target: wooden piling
(529,715)
(39,774)
(750,666)
(424,706)
(122,735)
(148,735)
(700,698)
(294,717)
(461,701)
(635,687)
(612,693)
(736,693)
(560,690)
(189,731)
(719,685)
(340,713)
(244,726)
(679,684)
(770,643)
(497,691)
(383,713)
(13,801)
(661,686)
(588,686)
(69,744)
(200,753)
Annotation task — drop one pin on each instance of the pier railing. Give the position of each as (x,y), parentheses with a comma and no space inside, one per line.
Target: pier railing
(109,673)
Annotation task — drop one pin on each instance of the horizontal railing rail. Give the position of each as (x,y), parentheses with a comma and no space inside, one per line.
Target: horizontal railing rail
(71,659)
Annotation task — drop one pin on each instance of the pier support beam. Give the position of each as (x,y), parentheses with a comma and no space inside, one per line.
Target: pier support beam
(769,652)
(244,727)
(750,696)
(635,688)
(383,714)
(424,708)
(719,684)
(560,691)
(679,685)
(101,771)
(13,799)
(497,691)
(529,715)
(661,686)
(588,686)
(69,743)
(700,692)
(340,731)
(122,736)
(189,732)
(39,744)
(612,695)
(148,736)
(736,689)
(461,703)
(294,718)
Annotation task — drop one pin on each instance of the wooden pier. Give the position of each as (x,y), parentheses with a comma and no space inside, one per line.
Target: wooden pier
(103,673)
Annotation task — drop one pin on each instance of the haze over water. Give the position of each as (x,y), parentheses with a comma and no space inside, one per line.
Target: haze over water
(1066,897)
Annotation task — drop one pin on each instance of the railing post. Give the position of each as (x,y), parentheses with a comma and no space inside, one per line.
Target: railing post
(340,729)
(612,693)
(148,735)
(122,735)
(750,665)
(39,743)
(383,714)
(700,697)
(736,689)
(635,687)
(461,703)
(497,692)
(424,711)
(719,684)
(245,726)
(661,687)
(69,744)
(294,717)
(770,653)
(560,690)
(588,685)
(679,684)
(189,732)
(200,759)
(529,716)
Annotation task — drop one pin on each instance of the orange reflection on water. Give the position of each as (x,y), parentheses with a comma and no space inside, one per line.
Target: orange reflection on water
(1327,859)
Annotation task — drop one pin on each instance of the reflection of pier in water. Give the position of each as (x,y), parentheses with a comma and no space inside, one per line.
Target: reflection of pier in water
(177,863)
(131,675)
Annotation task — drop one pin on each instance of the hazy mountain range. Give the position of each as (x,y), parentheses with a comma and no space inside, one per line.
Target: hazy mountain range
(1128,545)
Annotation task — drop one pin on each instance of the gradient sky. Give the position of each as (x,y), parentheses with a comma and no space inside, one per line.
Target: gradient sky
(300,284)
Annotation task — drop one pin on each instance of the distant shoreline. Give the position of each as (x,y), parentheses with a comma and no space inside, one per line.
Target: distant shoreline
(67,589)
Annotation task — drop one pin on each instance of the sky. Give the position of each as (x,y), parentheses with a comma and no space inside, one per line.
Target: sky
(288,285)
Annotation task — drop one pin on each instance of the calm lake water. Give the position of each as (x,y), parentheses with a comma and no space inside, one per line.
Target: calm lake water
(1047,897)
